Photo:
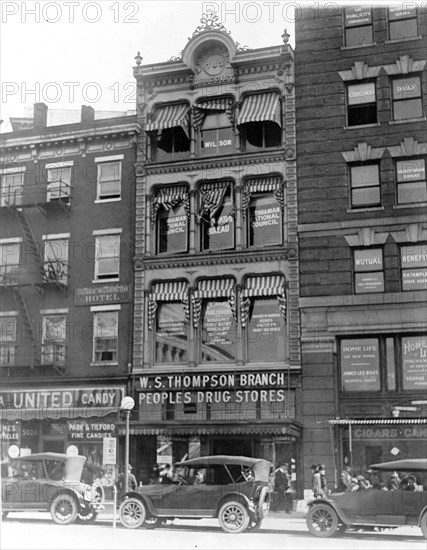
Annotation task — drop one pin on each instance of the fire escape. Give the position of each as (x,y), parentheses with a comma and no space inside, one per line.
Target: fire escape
(38,271)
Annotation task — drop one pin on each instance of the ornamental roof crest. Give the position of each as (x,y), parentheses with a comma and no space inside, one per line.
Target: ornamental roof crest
(209,22)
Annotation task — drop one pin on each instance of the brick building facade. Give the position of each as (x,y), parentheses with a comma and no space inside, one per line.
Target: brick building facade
(361,108)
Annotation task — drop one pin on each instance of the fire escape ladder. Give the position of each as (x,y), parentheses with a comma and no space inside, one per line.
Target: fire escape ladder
(31,241)
(28,333)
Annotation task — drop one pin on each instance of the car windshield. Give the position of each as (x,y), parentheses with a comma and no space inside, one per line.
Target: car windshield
(217,474)
(55,469)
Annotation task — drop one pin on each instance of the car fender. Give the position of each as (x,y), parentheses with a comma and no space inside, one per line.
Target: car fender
(423,511)
(332,505)
(147,502)
(71,492)
(235,496)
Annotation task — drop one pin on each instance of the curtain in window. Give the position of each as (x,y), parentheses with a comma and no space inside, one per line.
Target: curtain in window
(169,197)
(215,104)
(268,285)
(271,184)
(213,288)
(171,116)
(176,291)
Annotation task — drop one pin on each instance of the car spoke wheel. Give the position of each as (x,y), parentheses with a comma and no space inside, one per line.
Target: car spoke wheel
(233,517)
(322,521)
(132,513)
(423,525)
(152,522)
(64,509)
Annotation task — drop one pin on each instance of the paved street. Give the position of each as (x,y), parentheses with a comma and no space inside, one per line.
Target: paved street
(36,531)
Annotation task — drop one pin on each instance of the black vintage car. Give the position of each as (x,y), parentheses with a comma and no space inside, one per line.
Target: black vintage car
(233,489)
(384,505)
(49,482)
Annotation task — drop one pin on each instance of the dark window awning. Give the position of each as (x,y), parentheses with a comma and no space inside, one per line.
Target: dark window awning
(263,184)
(171,116)
(55,413)
(260,108)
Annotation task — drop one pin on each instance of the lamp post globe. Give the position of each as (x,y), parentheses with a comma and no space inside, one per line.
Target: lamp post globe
(127,403)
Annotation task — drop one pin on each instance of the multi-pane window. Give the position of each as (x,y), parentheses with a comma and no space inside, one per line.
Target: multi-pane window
(217,136)
(9,260)
(407,99)
(358,26)
(411,181)
(171,333)
(365,185)
(402,22)
(170,141)
(56,260)
(105,336)
(109,180)
(368,270)
(58,183)
(107,257)
(259,135)
(361,104)
(11,188)
(169,131)
(7,341)
(414,266)
(265,331)
(53,339)
(265,226)
(384,363)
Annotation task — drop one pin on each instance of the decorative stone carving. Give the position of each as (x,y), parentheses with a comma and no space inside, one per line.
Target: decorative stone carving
(409,147)
(367,236)
(404,65)
(360,71)
(363,152)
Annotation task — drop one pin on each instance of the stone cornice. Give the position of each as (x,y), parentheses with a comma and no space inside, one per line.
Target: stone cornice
(195,165)
(216,258)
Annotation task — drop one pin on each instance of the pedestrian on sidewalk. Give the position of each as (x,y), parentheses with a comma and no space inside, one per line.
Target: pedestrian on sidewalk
(316,482)
(282,484)
(323,480)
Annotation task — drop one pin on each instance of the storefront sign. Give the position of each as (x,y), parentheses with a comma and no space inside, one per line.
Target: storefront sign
(84,430)
(357,16)
(10,431)
(414,362)
(56,398)
(214,388)
(102,294)
(382,432)
(360,365)
(109,450)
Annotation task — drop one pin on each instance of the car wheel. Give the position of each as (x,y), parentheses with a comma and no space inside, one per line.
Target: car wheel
(322,521)
(233,517)
(254,524)
(423,525)
(132,513)
(152,522)
(64,509)
(87,516)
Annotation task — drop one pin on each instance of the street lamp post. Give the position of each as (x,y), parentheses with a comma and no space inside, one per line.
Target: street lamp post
(127,404)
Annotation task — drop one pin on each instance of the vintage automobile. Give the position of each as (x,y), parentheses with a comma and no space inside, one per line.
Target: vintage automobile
(404,503)
(50,482)
(234,489)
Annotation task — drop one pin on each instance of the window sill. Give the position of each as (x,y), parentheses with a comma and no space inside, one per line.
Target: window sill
(105,364)
(101,201)
(374,125)
(410,205)
(365,209)
(105,281)
(397,40)
(408,120)
(359,46)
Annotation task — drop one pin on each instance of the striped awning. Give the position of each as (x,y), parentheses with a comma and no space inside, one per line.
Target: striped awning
(211,198)
(260,108)
(169,197)
(285,428)
(170,291)
(55,413)
(170,116)
(267,285)
(213,104)
(358,421)
(263,184)
(213,288)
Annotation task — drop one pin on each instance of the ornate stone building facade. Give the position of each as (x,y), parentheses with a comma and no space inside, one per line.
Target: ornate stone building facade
(216,361)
